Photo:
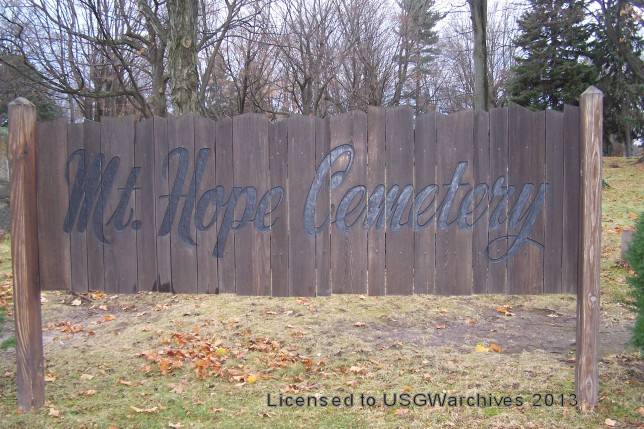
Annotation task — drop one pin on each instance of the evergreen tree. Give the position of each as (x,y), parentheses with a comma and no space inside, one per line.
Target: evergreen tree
(623,90)
(553,67)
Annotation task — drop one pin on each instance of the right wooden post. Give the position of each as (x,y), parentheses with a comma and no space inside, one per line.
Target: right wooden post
(589,264)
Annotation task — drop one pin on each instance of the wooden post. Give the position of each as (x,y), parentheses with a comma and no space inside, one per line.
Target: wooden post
(586,374)
(30,378)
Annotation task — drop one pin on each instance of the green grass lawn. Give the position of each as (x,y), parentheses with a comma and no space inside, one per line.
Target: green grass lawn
(200,361)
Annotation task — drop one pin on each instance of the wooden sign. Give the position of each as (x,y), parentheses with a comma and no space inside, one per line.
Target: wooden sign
(377,203)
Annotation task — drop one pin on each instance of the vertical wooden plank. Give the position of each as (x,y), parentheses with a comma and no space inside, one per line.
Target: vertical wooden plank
(161,190)
(323,238)
(399,240)
(144,216)
(497,281)
(278,164)
(53,195)
(252,246)
(78,239)
(425,204)
(453,243)
(183,236)
(348,238)
(207,275)
(376,175)
(588,310)
(224,177)
(301,162)
(570,256)
(119,249)
(527,166)
(479,201)
(30,363)
(95,265)
(554,204)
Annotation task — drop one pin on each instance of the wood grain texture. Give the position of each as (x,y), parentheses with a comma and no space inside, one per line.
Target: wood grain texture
(161,190)
(252,247)
(349,242)
(553,245)
(497,281)
(588,309)
(376,175)
(78,239)
(323,238)
(53,194)
(144,211)
(119,249)
(207,272)
(224,175)
(278,165)
(183,243)
(527,146)
(30,377)
(399,238)
(480,201)
(301,164)
(572,168)
(424,213)
(453,244)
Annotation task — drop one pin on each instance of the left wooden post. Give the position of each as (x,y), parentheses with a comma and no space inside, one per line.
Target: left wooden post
(30,377)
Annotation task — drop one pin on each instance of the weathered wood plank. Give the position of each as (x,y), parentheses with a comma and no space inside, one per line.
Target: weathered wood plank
(144,214)
(161,191)
(527,146)
(208,209)
(554,202)
(497,281)
(225,177)
(23,148)
(570,255)
(53,194)
(301,162)
(119,248)
(278,165)
(348,239)
(323,238)
(425,203)
(252,246)
(479,205)
(183,236)
(453,243)
(399,240)
(78,239)
(376,175)
(588,310)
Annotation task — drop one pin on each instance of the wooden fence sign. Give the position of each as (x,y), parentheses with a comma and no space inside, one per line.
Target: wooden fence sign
(378,203)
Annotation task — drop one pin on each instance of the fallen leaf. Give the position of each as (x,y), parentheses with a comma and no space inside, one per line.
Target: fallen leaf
(76,302)
(53,412)
(86,376)
(640,411)
(50,377)
(401,411)
(124,382)
(480,348)
(108,318)
(144,410)
(175,425)
(505,310)
(610,422)
(440,326)
(359,324)
(494,347)
(90,392)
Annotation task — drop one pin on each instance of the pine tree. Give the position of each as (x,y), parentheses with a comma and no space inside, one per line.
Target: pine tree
(553,67)
(623,99)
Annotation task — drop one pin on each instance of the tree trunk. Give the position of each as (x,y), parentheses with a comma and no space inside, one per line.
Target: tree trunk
(182,55)
(628,141)
(478,14)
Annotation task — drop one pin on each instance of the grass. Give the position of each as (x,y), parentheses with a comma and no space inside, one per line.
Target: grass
(110,362)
